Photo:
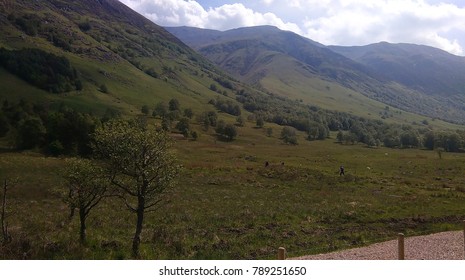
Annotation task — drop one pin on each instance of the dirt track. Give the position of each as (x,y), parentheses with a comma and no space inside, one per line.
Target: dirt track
(439,246)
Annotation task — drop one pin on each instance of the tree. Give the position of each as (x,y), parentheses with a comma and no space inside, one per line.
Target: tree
(208,119)
(188,113)
(429,140)
(260,122)
(140,164)
(30,134)
(145,110)
(6,237)
(174,105)
(183,126)
(409,139)
(87,186)
(240,121)
(4,125)
(230,132)
(103,88)
(220,127)
(269,131)
(160,110)
(213,87)
(165,124)
(289,135)
(194,135)
(340,136)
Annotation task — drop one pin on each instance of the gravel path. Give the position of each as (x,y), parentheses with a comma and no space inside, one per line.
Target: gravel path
(440,246)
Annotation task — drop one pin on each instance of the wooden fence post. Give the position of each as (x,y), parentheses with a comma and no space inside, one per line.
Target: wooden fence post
(400,243)
(281,253)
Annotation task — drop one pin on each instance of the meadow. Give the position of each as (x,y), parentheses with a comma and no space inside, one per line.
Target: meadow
(228,205)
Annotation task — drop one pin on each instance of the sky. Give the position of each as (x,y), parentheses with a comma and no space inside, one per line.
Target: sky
(435,23)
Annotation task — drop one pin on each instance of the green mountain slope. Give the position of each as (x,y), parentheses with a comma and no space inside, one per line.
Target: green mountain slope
(429,70)
(109,46)
(283,62)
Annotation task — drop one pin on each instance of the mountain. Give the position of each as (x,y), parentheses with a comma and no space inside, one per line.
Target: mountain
(288,64)
(243,51)
(426,69)
(96,55)
(114,57)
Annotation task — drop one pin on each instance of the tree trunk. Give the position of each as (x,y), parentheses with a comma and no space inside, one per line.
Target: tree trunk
(140,221)
(82,231)
(6,236)
(71,212)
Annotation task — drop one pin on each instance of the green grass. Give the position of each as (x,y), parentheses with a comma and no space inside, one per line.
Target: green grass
(227,205)
(298,84)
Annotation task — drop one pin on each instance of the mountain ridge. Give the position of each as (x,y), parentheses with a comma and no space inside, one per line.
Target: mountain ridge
(425,68)
(249,47)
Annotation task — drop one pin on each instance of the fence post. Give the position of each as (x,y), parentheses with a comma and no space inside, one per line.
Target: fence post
(281,253)
(400,243)
(464,239)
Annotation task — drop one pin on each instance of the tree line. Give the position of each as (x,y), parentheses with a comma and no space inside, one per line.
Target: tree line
(63,131)
(42,69)
(173,113)
(318,122)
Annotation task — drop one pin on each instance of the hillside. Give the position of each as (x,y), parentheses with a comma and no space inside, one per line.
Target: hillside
(283,62)
(107,46)
(426,69)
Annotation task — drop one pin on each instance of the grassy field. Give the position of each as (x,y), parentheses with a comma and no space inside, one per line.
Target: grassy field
(228,205)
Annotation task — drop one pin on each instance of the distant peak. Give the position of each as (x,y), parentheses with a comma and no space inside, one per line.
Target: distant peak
(260,27)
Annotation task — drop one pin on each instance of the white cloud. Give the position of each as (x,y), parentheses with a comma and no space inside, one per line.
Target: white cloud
(339,22)
(359,22)
(237,15)
(191,13)
(267,2)
(170,13)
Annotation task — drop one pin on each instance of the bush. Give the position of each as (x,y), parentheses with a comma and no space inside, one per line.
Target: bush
(55,148)
(103,88)
(85,26)
(289,135)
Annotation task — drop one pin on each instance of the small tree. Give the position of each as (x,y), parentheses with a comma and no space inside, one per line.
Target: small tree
(174,105)
(289,135)
(145,110)
(230,132)
(194,135)
(183,126)
(269,131)
(260,122)
(31,133)
(340,136)
(160,110)
(166,124)
(220,127)
(86,188)
(188,113)
(140,165)
(240,121)
(103,88)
